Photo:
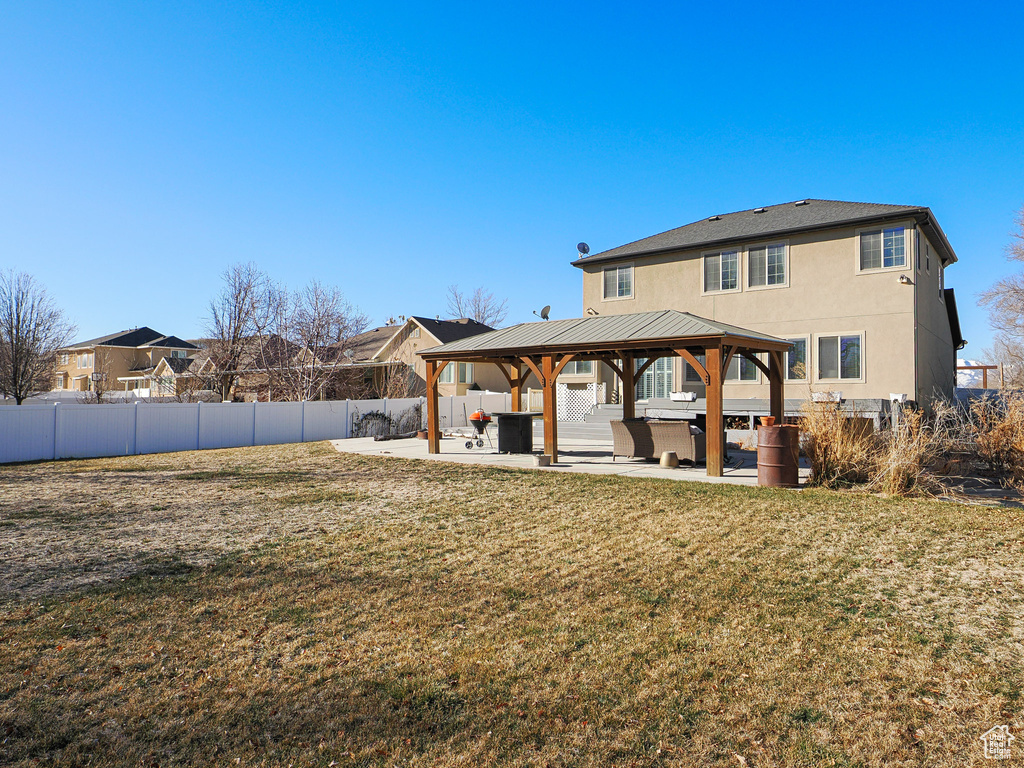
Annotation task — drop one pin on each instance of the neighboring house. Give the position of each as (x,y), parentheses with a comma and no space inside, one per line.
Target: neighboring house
(123,360)
(190,378)
(859,288)
(390,351)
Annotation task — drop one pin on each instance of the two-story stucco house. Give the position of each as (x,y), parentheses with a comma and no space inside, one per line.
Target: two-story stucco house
(858,288)
(122,359)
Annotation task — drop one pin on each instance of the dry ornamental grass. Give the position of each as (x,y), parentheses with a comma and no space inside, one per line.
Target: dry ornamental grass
(293,606)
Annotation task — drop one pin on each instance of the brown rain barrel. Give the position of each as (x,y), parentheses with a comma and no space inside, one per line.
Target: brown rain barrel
(778,456)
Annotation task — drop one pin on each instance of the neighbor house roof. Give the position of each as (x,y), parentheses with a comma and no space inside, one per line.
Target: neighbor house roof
(135,337)
(178,364)
(170,342)
(954,319)
(600,332)
(452,330)
(775,221)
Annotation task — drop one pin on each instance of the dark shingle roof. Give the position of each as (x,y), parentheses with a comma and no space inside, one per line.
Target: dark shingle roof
(170,342)
(452,330)
(179,364)
(133,337)
(771,221)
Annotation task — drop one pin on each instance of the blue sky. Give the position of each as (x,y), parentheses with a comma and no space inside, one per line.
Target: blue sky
(395,149)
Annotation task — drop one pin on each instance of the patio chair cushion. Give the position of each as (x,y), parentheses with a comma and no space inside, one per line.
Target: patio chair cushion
(639,438)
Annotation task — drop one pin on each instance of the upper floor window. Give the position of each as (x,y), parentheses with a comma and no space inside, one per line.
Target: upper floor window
(414,333)
(85,360)
(796,360)
(883,248)
(179,353)
(766,265)
(942,295)
(839,357)
(721,271)
(579,368)
(618,282)
(63,358)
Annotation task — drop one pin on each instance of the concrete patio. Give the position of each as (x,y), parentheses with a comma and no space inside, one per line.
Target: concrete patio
(582,448)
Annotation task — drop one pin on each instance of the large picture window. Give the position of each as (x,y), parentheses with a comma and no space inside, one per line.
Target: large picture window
(766,265)
(721,271)
(618,282)
(839,357)
(883,248)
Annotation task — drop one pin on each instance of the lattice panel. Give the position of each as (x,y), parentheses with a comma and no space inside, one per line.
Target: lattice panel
(575,404)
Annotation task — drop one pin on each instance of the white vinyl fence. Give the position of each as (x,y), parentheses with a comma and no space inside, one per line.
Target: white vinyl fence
(34,432)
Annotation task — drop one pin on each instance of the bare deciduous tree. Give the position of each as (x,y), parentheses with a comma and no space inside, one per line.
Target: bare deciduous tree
(238,315)
(481,306)
(1005,302)
(102,380)
(32,329)
(303,353)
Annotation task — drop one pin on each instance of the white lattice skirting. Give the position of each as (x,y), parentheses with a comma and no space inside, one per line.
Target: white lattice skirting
(575,404)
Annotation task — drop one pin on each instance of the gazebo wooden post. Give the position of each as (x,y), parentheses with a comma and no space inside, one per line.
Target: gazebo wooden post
(713,401)
(628,388)
(776,384)
(433,419)
(550,409)
(516,368)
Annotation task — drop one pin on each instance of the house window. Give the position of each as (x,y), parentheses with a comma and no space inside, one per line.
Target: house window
(741,369)
(414,333)
(691,374)
(579,368)
(796,360)
(882,249)
(179,353)
(941,283)
(927,257)
(766,265)
(85,360)
(618,282)
(721,271)
(656,381)
(63,358)
(839,357)
(465,373)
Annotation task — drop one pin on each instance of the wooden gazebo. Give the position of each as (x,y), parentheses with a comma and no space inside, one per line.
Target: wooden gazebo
(544,348)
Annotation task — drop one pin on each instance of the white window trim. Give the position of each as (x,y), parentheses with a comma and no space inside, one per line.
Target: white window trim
(746,261)
(740,272)
(863,358)
(632,282)
(807,358)
(908,252)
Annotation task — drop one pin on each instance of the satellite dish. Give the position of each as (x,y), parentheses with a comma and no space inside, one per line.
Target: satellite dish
(543,315)
(583,248)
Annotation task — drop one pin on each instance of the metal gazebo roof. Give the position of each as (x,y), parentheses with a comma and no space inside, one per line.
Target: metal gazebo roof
(661,329)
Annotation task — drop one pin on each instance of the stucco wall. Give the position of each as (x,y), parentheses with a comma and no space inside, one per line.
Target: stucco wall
(826,293)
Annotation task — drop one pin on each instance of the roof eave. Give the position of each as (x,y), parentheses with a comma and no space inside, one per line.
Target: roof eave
(914,213)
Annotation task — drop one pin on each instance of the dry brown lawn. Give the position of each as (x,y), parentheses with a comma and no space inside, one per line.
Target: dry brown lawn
(294,606)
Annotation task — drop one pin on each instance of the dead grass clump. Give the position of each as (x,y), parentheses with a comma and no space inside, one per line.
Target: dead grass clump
(839,449)
(907,457)
(997,429)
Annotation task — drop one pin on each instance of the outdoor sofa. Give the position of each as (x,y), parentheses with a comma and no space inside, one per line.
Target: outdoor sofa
(649,438)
